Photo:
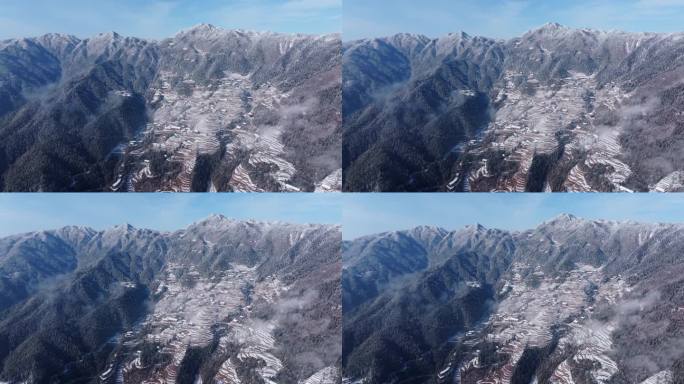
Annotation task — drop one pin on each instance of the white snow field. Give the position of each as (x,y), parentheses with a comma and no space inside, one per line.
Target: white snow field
(530,117)
(526,317)
(195,119)
(192,311)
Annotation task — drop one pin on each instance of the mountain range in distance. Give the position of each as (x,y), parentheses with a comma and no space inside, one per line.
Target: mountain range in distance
(556,109)
(221,301)
(571,301)
(205,110)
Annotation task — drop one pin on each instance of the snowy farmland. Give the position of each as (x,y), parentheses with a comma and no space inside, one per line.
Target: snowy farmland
(193,119)
(531,117)
(194,310)
(528,318)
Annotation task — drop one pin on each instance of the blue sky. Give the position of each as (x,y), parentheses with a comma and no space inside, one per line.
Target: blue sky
(373,213)
(29,212)
(506,18)
(359,214)
(163,18)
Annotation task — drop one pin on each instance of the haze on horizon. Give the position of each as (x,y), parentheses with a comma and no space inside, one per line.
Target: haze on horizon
(22,213)
(367,213)
(158,19)
(506,18)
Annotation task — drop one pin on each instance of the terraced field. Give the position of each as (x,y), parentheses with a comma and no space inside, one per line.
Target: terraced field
(192,120)
(534,119)
(571,301)
(207,109)
(220,301)
(555,109)
(530,317)
(195,311)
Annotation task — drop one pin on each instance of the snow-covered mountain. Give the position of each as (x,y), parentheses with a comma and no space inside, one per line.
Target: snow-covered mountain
(571,301)
(206,110)
(222,301)
(557,109)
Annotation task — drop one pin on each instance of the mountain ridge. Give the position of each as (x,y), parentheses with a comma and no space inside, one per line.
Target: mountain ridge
(562,218)
(66,37)
(208,109)
(219,300)
(547,27)
(556,110)
(478,303)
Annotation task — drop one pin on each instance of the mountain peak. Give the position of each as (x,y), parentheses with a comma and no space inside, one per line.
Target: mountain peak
(549,29)
(423,229)
(552,25)
(476,227)
(408,35)
(200,29)
(124,228)
(108,35)
(564,218)
(461,35)
(204,27)
(407,39)
(103,40)
(216,217)
(58,36)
